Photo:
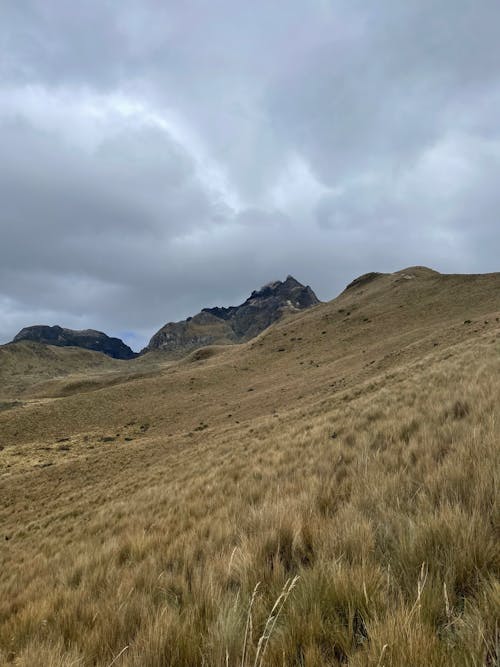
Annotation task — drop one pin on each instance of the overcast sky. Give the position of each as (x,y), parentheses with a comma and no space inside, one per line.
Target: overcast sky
(159,157)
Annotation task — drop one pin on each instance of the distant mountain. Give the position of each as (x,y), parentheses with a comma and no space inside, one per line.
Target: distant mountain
(236,323)
(87,339)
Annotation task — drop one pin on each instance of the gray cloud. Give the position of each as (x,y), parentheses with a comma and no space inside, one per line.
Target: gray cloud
(162,157)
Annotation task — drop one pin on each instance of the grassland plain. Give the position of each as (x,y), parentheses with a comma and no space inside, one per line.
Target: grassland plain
(326,494)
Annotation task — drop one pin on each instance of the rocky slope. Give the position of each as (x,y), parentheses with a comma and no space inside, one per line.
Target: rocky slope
(87,339)
(236,323)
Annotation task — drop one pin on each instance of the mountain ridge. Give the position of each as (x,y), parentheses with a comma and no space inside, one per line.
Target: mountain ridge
(227,325)
(234,324)
(212,325)
(88,339)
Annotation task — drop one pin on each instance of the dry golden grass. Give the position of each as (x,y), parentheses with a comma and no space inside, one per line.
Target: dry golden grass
(308,498)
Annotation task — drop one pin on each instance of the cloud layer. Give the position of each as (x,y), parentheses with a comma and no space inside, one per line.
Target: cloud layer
(162,157)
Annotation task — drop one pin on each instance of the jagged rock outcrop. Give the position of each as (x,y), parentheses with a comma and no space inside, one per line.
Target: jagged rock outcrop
(234,324)
(87,339)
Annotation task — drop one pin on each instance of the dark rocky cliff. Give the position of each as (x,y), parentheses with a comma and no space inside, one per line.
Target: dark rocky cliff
(87,339)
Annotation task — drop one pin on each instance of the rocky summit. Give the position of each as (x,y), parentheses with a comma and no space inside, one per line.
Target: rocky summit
(88,339)
(222,326)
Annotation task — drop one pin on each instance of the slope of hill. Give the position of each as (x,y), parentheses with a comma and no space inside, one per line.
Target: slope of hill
(353,446)
(25,364)
(88,339)
(236,323)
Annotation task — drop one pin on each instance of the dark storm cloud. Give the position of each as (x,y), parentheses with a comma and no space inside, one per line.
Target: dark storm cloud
(160,157)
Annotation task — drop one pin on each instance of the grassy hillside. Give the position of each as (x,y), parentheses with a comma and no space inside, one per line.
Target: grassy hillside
(325,494)
(25,364)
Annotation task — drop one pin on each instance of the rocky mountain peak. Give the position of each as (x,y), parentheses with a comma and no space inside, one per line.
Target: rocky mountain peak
(232,324)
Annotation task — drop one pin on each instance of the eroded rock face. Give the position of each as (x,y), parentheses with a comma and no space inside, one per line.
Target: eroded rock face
(234,324)
(87,339)
(203,329)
